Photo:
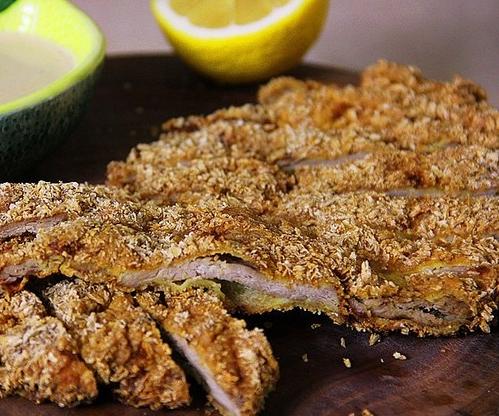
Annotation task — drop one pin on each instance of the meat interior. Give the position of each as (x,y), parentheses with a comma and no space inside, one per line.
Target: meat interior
(84,336)
(447,315)
(206,377)
(30,227)
(229,269)
(234,364)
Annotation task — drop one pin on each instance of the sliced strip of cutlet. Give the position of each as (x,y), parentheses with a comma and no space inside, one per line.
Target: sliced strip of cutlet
(312,252)
(393,101)
(39,359)
(235,364)
(426,264)
(121,343)
(135,244)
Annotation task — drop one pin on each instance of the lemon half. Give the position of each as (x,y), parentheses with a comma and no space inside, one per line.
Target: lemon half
(236,41)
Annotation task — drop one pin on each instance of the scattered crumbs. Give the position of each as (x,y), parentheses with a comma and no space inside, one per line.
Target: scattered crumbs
(373,339)
(443,350)
(399,356)
(342,342)
(347,362)
(381,359)
(267,325)
(404,331)
(315,326)
(304,357)
(367,412)
(139,110)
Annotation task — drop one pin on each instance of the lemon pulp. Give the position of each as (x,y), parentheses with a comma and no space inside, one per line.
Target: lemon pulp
(236,41)
(221,13)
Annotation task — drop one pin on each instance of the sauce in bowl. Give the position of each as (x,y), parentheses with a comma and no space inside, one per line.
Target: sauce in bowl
(29,63)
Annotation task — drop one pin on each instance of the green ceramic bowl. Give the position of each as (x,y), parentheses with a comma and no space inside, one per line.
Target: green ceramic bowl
(32,125)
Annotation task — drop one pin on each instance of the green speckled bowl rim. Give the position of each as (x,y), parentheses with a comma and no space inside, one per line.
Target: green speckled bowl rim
(84,40)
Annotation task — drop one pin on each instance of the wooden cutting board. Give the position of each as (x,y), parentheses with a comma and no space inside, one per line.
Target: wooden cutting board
(441,376)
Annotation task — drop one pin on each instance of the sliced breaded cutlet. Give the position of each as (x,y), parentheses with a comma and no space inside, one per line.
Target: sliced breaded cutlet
(39,359)
(257,164)
(393,101)
(132,244)
(120,343)
(117,335)
(429,264)
(314,252)
(235,365)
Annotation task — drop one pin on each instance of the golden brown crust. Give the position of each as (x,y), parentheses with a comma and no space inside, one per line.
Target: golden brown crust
(103,245)
(235,181)
(39,358)
(457,169)
(439,252)
(271,185)
(394,101)
(240,361)
(120,343)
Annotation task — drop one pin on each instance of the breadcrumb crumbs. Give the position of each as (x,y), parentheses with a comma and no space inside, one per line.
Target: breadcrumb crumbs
(373,339)
(304,357)
(367,412)
(315,326)
(342,342)
(347,362)
(399,356)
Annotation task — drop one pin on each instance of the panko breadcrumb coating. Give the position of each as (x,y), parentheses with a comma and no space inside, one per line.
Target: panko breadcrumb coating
(394,101)
(453,170)
(375,204)
(121,343)
(106,240)
(235,364)
(250,182)
(39,359)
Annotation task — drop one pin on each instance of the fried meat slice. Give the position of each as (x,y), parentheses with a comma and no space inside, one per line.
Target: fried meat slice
(393,101)
(311,252)
(235,364)
(90,219)
(255,163)
(341,163)
(423,264)
(38,358)
(135,244)
(121,343)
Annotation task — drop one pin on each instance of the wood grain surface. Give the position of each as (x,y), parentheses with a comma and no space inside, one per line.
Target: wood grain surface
(441,376)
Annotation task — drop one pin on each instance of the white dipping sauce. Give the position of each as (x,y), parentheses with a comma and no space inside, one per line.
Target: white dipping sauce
(28,63)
